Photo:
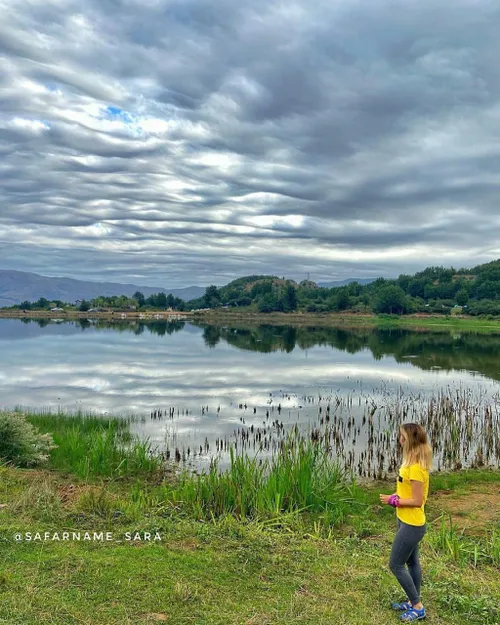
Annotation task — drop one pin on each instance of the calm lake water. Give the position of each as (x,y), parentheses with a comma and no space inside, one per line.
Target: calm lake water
(204,389)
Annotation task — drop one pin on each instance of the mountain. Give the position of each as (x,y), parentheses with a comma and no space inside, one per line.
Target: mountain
(20,286)
(337,283)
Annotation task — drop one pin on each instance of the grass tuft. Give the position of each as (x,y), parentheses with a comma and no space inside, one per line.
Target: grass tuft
(91,446)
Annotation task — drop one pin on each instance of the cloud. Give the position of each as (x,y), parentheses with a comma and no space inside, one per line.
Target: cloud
(195,141)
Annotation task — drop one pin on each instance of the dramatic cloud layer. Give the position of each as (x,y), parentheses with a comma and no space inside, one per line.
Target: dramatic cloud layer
(193,141)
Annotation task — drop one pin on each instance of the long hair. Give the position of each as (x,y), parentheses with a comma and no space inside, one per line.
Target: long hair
(416,449)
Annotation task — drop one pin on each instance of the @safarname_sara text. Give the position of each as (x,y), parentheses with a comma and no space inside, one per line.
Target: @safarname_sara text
(78,536)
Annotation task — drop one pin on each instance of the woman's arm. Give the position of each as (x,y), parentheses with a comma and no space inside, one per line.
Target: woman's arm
(417,496)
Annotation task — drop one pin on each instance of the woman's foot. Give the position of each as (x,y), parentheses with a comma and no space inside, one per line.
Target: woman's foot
(403,606)
(413,614)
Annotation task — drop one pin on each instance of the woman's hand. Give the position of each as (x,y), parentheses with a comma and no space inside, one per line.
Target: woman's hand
(385,498)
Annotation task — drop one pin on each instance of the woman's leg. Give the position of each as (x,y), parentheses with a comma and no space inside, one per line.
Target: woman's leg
(406,540)
(414,569)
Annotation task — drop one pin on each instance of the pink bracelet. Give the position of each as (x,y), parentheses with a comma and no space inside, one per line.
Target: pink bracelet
(394,501)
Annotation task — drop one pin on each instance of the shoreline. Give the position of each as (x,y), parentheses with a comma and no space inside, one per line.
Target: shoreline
(110,316)
(416,322)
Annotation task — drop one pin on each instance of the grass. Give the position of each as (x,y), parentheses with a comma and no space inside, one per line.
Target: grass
(94,446)
(301,477)
(354,320)
(222,571)
(463,549)
(288,542)
(463,480)
(435,322)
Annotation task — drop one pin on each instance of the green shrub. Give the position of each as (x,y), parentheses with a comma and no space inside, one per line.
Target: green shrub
(20,442)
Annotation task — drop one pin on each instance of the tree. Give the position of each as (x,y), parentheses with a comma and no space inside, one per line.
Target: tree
(270,303)
(212,296)
(161,300)
(416,288)
(170,301)
(342,300)
(84,306)
(42,303)
(390,299)
(122,302)
(291,298)
(139,298)
(462,297)
(404,281)
(354,289)
(488,290)
(179,304)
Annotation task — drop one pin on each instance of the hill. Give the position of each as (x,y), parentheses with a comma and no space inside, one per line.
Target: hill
(475,291)
(20,286)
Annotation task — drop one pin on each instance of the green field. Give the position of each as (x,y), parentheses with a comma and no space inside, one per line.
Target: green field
(226,551)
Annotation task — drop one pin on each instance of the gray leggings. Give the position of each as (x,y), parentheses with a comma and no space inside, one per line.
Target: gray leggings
(405,552)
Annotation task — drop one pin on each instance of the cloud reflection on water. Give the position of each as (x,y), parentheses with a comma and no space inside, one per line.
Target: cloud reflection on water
(102,370)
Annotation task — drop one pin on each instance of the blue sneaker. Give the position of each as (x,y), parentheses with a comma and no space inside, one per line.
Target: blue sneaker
(413,615)
(402,607)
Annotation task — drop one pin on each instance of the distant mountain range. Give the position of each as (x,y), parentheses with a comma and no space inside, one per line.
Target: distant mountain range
(20,286)
(337,283)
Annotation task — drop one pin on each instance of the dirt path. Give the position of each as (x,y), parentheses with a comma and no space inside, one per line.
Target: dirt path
(475,510)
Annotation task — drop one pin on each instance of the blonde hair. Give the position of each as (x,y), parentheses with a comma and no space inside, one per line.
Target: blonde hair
(416,449)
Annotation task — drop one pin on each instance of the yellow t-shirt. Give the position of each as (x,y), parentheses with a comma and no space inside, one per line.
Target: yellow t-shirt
(412,516)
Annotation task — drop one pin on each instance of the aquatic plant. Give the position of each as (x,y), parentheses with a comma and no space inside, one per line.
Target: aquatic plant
(301,477)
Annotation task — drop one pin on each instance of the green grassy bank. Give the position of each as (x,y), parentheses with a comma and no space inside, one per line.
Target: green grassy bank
(248,317)
(297,542)
(352,320)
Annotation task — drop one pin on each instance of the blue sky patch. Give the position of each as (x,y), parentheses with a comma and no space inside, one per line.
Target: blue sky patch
(118,113)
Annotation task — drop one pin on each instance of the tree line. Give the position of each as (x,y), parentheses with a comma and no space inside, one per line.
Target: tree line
(474,291)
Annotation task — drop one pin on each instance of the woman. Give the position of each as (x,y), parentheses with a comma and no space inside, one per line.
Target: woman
(409,500)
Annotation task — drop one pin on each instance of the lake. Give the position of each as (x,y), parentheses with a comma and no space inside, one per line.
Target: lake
(196,391)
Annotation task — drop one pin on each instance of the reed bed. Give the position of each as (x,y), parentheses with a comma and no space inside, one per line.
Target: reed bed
(299,478)
(357,429)
(90,446)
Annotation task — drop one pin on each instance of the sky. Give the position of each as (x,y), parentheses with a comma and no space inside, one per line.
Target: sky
(179,142)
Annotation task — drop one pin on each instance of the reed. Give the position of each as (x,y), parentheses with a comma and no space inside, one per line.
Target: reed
(360,428)
(300,478)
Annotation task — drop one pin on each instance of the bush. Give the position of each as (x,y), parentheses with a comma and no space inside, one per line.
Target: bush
(21,443)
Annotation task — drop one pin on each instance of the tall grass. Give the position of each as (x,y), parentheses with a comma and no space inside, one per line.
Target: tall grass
(90,446)
(463,549)
(300,478)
